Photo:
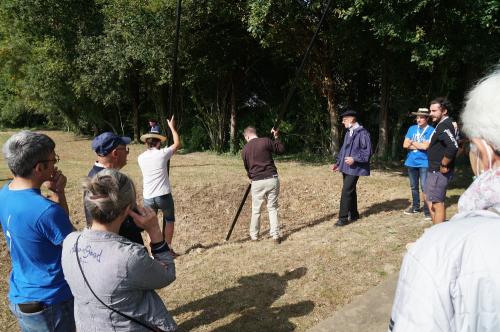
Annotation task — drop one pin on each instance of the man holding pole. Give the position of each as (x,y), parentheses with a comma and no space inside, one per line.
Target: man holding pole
(257,157)
(353,161)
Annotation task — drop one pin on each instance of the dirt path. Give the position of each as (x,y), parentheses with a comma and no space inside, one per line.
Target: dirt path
(261,286)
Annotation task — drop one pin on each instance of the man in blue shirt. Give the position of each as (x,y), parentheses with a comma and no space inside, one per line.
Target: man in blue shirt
(417,142)
(35,227)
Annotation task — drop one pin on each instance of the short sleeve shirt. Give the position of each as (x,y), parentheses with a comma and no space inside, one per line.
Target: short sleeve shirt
(35,228)
(153,164)
(418,158)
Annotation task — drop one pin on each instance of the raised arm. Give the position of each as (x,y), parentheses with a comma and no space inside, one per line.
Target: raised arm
(177,142)
(278,147)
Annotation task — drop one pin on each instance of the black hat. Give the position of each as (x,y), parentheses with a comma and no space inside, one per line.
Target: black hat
(349,112)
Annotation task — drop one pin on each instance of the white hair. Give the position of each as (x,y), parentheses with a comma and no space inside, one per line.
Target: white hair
(481,115)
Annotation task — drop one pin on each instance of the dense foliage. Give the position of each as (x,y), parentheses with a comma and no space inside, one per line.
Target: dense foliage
(95,65)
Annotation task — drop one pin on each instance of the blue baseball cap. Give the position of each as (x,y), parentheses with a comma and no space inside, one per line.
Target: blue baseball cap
(107,142)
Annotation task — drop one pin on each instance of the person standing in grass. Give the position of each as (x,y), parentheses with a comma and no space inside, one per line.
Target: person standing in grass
(257,157)
(35,228)
(353,161)
(112,278)
(112,152)
(417,142)
(443,148)
(157,192)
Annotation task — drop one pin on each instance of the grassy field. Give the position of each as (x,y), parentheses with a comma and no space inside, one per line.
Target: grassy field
(259,286)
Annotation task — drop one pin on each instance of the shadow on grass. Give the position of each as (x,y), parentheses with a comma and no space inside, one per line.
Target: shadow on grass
(392,205)
(309,224)
(250,302)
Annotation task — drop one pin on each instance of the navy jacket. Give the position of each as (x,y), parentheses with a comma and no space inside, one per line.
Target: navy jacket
(359,147)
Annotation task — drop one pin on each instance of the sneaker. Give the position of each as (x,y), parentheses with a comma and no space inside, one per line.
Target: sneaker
(411,210)
(427,217)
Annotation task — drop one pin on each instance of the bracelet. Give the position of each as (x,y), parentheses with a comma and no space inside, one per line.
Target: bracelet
(159,247)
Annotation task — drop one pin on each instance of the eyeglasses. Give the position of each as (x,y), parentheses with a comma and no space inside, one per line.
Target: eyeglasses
(127,150)
(55,160)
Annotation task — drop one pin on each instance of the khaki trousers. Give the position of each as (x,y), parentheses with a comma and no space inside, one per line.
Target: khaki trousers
(268,190)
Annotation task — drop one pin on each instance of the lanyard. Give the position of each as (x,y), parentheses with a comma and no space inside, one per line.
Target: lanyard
(435,129)
(419,136)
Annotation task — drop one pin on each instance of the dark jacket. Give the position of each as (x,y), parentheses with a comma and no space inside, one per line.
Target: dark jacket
(128,229)
(359,147)
(443,143)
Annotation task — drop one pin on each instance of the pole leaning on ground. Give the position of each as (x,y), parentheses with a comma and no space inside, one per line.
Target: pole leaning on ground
(235,219)
(284,107)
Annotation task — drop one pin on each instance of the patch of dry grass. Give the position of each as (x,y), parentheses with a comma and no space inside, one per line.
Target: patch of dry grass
(259,286)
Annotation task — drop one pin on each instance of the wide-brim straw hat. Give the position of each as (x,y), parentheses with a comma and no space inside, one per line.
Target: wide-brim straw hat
(422,111)
(153,134)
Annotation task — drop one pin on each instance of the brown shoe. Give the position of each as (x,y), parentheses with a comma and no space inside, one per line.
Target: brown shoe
(277,240)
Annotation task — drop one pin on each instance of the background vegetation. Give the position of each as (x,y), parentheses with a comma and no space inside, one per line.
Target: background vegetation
(93,65)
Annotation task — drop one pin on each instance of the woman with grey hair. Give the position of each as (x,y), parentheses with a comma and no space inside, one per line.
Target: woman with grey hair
(113,279)
(450,278)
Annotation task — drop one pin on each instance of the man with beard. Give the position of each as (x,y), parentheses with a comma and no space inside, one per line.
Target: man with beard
(442,150)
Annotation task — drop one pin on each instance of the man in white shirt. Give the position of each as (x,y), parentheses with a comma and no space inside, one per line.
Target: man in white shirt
(157,193)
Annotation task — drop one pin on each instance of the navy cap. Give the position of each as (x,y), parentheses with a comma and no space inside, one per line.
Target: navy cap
(107,142)
(349,113)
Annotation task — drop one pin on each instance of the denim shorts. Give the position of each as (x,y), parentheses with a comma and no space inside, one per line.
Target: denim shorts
(54,318)
(164,203)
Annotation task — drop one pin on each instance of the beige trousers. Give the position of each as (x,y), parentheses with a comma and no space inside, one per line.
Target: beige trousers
(267,190)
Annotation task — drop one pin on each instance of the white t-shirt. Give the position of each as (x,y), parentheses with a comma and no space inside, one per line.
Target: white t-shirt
(153,164)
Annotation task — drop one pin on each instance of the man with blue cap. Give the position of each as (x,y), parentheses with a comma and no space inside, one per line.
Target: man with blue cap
(112,152)
(353,161)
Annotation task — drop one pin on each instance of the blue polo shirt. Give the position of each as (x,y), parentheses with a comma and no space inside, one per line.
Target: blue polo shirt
(418,158)
(34,228)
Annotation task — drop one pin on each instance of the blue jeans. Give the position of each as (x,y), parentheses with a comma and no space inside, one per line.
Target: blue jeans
(54,318)
(415,174)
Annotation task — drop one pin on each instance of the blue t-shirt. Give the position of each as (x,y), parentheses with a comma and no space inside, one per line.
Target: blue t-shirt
(418,158)
(34,228)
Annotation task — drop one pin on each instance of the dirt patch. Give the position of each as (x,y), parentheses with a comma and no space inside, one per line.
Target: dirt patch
(260,286)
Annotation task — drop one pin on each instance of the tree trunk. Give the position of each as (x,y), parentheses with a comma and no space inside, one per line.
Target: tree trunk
(328,85)
(383,137)
(233,139)
(396,141)
(134,94)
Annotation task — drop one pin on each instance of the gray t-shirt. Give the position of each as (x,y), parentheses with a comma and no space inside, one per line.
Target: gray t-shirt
(123,276)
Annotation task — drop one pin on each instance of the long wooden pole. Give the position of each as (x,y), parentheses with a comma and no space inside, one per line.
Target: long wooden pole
(285,105)
(173,85)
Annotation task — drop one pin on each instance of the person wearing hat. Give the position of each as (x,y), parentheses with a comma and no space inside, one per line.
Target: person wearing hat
(112,152)
(156,192)
(353,161)
(417,142)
